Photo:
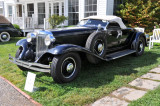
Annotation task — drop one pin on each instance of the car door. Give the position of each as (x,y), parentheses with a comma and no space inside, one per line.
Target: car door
(114,36)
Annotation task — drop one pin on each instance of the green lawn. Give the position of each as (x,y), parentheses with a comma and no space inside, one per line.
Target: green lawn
(152,98)
(94,81)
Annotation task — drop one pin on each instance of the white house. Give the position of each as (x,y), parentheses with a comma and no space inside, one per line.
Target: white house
(31,13)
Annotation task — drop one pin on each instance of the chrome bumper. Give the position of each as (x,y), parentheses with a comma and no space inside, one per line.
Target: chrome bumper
(29,65)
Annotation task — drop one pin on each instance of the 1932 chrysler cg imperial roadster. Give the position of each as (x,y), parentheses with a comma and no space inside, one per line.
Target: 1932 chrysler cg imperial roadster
(59,51)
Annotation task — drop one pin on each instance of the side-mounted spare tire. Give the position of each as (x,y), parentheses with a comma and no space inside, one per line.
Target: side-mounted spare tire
(97,44)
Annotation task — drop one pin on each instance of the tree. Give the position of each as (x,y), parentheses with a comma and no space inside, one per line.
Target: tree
(55,20)
(140,13)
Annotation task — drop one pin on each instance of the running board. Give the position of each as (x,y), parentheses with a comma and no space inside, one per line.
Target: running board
(116,55)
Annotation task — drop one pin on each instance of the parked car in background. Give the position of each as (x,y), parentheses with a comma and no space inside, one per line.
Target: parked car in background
(7,30)
(59,51)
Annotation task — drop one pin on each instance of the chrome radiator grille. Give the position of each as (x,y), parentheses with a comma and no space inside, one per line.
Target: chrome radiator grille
(41,48)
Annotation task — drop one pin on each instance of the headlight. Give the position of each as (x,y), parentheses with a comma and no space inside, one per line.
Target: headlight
(49,39)
(31,37)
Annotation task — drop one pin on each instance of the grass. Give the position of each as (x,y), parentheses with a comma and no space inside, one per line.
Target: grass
(93,82)
(152,98)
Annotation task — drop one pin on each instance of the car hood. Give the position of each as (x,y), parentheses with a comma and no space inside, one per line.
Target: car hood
(72,30)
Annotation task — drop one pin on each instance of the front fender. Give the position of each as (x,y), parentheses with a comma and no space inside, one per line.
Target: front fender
(24,44)
(64,48)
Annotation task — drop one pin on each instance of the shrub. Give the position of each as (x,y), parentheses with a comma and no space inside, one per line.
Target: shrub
(16,26)
(156,25)
(55,20)
(140,13)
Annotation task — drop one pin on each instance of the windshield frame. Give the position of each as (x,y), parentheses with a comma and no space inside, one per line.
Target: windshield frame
(92,25)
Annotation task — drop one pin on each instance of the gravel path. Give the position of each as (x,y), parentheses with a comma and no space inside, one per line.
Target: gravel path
(9,96)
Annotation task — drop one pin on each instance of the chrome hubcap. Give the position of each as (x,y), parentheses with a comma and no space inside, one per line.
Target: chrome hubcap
(70,67)
(4,36)
(141,46)
(100,48)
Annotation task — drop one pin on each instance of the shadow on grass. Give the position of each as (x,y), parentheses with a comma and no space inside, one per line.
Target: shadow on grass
(104,73)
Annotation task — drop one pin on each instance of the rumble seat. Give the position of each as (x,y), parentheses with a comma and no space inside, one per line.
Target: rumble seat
(154,38)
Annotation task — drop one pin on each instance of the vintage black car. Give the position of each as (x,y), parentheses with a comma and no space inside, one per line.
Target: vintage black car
(7,30)
(59,51)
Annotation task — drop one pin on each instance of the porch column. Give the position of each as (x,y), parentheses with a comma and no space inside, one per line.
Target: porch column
(51,8)
(66,11)
(25,9)
(81,9)
(46,26)
(13,13)
(36,14)
(47,9)
(60,8)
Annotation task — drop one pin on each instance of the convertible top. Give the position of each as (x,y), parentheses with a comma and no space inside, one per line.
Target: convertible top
(3,20)
(109,18)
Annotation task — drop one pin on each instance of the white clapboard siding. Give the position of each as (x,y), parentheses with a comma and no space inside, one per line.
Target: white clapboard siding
(101,7)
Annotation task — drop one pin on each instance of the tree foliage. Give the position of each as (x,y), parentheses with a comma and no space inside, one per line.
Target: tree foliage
(55,20)
(140,13)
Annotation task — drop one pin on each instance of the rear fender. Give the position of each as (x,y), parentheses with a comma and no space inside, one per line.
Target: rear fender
(137,37)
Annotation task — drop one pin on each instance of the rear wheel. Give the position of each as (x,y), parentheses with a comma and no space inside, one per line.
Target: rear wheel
(19,51)
(140,47)
(96,43)
(4,36)
(65,68)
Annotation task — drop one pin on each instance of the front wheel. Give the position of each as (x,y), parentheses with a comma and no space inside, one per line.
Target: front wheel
(140,47)
(65,68)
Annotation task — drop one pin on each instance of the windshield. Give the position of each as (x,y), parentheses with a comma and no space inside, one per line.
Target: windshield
(92,22)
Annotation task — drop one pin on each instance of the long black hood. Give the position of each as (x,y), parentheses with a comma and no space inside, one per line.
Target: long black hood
(72,30)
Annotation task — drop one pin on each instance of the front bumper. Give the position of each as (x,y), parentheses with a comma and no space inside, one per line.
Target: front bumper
(30,65)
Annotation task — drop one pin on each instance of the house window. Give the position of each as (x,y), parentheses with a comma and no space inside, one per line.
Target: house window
(9,11)
(90,8)
(19,10)
(41,13)
(1,4)
(62,8)
(1,11)
(56,8)
(73,12)
(116,5)
(30,9)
